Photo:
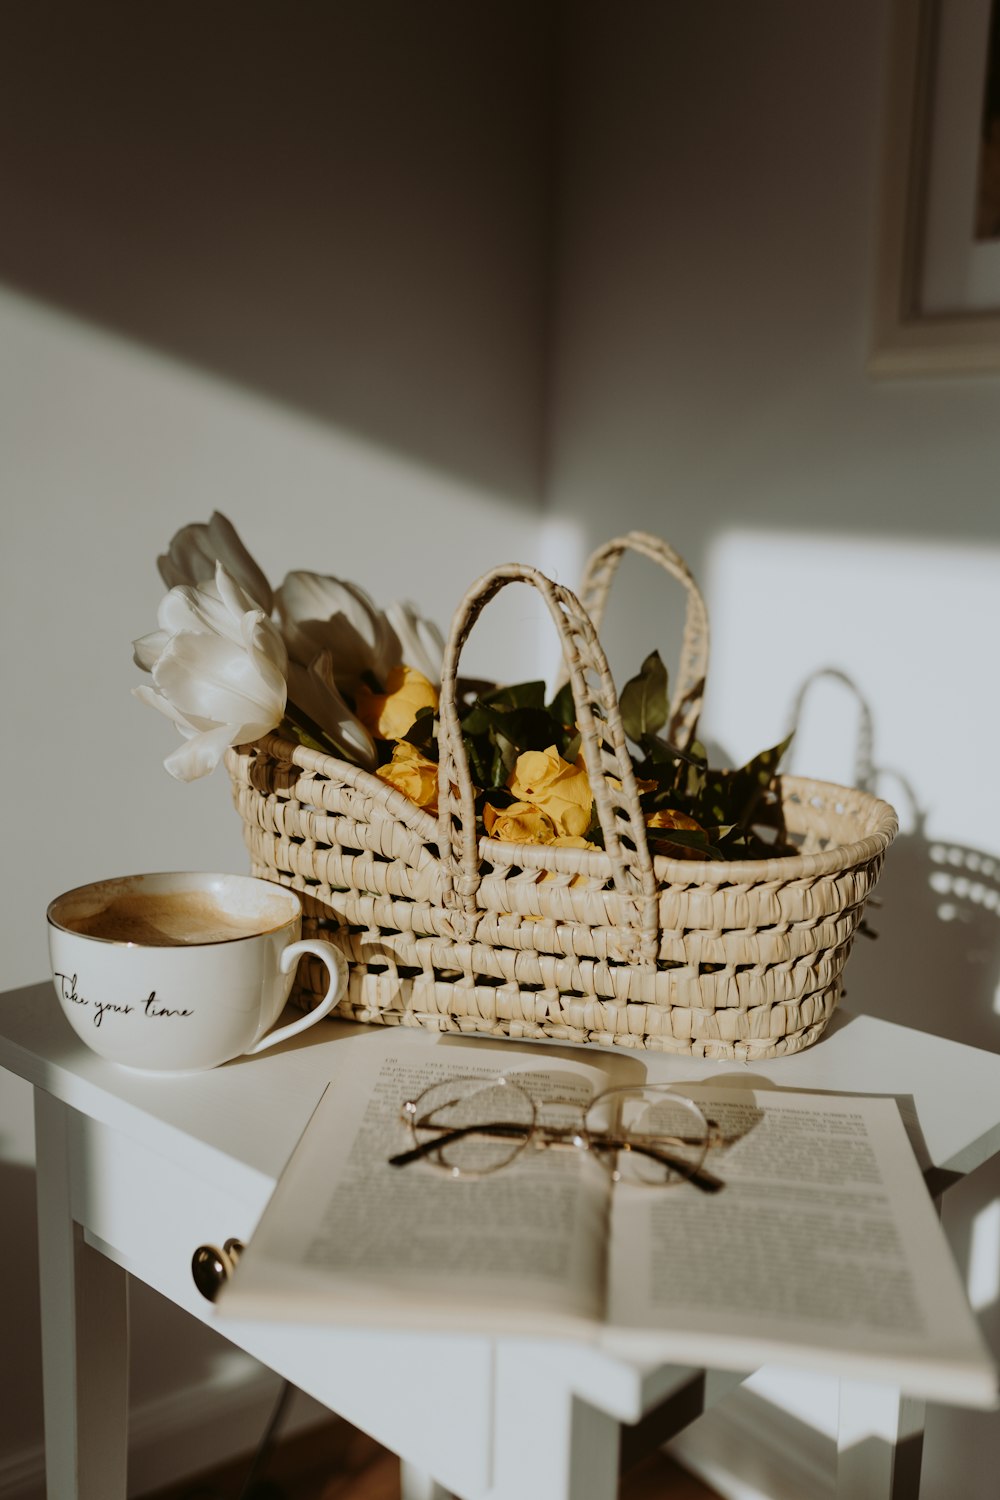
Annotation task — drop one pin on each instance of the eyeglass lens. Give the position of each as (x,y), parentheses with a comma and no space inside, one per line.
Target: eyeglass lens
(477,1127)
(647,1135)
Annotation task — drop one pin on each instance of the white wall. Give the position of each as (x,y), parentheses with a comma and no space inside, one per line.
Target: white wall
(717,246)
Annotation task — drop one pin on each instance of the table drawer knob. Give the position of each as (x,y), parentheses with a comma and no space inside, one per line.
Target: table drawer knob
(211,1268)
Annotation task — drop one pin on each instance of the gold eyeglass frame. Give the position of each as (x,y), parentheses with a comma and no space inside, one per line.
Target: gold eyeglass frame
(603,1145)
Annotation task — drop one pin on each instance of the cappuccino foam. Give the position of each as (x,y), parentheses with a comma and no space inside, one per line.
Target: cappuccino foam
(172,919)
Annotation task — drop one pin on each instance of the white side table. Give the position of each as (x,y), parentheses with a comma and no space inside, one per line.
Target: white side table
(135,1171)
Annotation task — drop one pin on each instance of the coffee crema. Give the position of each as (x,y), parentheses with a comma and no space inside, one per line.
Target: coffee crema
(171,919)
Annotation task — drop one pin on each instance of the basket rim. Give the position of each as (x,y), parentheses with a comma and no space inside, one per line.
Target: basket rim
(596,862)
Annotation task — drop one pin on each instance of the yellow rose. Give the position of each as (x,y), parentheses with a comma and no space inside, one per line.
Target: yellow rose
(669,817)
(413,774)
(518,824)
(560,790)
(391,714)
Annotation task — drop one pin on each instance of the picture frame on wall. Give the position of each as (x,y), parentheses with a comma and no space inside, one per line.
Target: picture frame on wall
(937,292)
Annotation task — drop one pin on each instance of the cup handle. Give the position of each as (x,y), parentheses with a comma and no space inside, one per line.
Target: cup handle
(336,965)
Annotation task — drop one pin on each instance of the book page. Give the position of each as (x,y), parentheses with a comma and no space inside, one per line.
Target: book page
(823,1250)
(346,1237)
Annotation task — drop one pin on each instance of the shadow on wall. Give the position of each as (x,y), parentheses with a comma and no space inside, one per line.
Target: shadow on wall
(21,1385)
(935,963)
(339,206)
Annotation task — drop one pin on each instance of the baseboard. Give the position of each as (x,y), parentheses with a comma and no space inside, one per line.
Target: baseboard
(182,1433)
(747,1448)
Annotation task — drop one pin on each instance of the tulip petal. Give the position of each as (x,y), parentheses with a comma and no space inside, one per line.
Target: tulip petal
(227,548)
(421,642)
(201,754)
(235,598)
(208,677)
(317,596)
(265,648)
(314,691)
(198,609)
(195,549)
(320,613)
(186,725)
(172,574)
(147,649)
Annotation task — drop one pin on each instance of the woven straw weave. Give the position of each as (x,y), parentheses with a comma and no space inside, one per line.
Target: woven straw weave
(453,931)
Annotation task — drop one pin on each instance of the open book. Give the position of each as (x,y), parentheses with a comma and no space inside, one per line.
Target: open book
(822,1251)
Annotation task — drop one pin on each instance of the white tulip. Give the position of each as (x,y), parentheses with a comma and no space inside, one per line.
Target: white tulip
(195,550)
(320,614)
(202,609)
(218,665)
(421,643)
(313,689)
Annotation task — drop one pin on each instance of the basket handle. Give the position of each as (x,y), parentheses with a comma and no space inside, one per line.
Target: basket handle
(603,744)
(689,686)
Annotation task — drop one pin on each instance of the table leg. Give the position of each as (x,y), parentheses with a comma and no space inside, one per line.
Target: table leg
(548,1443)
(84,1333)
(879,1443)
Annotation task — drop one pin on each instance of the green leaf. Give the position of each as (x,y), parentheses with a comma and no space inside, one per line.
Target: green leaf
(753,779)
(643,700)
(562,708)
(739,817)
(477,720)
(763,766)
(570,747)
(525,728)
(517,695)
(686,838)
(421,733)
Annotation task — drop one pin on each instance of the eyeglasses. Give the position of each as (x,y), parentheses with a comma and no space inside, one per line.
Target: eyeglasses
(648,1135)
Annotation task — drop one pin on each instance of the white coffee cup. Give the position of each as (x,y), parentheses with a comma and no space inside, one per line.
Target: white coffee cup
(179,972)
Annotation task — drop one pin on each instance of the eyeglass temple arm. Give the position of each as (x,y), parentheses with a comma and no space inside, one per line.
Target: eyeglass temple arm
(706,1181)
(699,1176)
(448,1137)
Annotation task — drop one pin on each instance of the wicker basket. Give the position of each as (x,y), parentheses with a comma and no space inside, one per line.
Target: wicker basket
(614,948)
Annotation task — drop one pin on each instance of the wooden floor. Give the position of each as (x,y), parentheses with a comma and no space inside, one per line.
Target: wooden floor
(337,1462)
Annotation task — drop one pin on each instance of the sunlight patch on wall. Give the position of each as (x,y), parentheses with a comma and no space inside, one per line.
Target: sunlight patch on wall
(909,624)
(561,557)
